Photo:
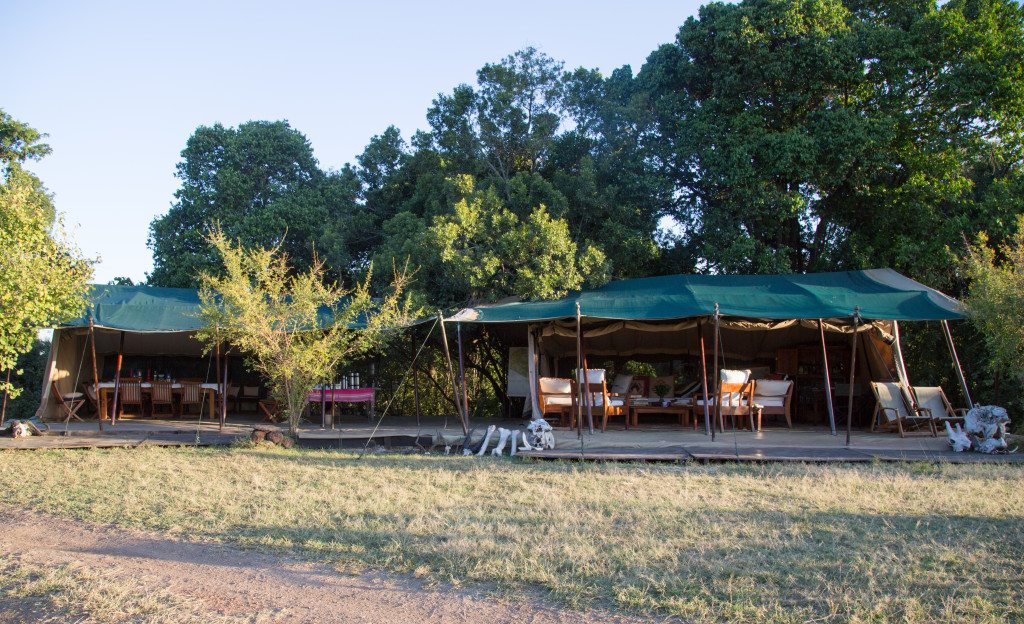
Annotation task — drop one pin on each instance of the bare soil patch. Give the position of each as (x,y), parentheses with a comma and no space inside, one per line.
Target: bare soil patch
(227,582)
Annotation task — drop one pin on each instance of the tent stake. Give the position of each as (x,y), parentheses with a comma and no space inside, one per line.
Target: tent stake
(828,380)
(117,381)
(853,373)
(704,379)
(415,376)
(718,382)
(956,363)
(455,383)
(95,376)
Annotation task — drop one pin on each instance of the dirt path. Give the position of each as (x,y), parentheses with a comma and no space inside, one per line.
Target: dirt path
(233,582)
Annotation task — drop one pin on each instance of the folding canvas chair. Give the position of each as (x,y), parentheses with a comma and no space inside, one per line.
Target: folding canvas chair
(69,402)
(932,401)
(894,410)
(555,397)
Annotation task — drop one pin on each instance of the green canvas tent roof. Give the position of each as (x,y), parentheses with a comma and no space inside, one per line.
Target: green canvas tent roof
(881,294)
(148,309)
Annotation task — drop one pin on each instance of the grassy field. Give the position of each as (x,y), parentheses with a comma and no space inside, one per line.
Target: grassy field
(737,543)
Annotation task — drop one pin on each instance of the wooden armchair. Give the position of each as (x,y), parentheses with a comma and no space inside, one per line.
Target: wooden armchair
(248,394)
(603,403)
(735,398)
(775,397)
(555,398)
(129,392)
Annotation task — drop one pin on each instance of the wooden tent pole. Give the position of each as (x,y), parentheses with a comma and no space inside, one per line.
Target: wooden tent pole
(221,388)
(95,375)
(117,381)
(415,376)
(579,367)
(462,370)
(828,380)
(323,403)
(3,409)
(224,393)
(704,378)
(588,396)
(853,373)
(718,381)
(956,363)
(451,371)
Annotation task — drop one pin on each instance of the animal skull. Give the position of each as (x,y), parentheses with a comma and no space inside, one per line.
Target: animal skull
(542,436)
(958,439)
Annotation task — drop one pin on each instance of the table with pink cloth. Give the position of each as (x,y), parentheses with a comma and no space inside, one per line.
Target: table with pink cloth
(338,395)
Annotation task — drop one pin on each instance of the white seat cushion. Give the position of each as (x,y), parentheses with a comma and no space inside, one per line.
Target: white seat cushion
(595,375)
(734,376)
(771,388)
(71,396)
(555,385)
(557,400)
(621,384)
(769,401)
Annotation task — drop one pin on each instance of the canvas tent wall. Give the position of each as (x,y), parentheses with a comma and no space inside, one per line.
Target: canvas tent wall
(759,314)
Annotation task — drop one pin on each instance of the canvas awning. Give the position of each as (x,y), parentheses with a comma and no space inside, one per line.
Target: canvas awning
(879,294)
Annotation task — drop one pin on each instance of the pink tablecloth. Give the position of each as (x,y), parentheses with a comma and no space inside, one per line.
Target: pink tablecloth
(353,395)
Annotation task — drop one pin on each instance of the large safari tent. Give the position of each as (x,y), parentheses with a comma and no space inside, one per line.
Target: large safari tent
(811,327)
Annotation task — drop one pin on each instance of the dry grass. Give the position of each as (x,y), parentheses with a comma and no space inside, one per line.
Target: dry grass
(738,543)
(31,593)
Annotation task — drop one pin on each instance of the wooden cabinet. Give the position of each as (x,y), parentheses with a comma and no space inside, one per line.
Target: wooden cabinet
(803,364)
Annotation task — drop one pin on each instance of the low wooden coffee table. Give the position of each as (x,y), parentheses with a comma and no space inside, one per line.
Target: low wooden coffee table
(684,411)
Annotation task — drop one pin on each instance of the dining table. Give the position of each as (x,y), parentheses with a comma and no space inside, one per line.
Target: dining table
(342,395)
(106,390)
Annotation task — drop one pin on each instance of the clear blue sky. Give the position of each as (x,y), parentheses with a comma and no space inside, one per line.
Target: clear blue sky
(119,86)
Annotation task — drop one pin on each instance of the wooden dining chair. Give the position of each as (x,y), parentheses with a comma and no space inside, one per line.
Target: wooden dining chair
(191,394)
(129,392)
(161,394)
(69,402)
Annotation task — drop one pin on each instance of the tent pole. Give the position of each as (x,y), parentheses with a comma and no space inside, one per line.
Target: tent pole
(576,373)
(323,403)
(224,393)
(415,376)
(704,379)
(902,365)
(95,376)
(828,380)
(718,381)
(853,373)
(117,381)
(588,396)
(451,371)
(462,370)
(221,388)
(3,409)
(956,362)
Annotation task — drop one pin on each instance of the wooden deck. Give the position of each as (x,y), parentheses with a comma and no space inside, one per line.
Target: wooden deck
(649,443)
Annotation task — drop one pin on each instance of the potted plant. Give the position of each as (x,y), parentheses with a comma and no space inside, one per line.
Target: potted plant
(662,391)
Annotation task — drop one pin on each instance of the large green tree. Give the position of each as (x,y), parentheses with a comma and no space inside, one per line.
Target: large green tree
(261,182)
(823,134)
(43,276)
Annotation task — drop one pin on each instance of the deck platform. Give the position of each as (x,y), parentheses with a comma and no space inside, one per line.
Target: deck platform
(647,443)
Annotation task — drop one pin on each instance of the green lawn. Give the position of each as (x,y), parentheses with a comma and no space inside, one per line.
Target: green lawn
(738,543)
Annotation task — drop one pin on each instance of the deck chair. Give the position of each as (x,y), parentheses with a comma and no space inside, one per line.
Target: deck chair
(555,397)
(69,402)
(191,394)
(894,410)
(735,393)
(161,394)
(248,394)
(932,400)
(603,404)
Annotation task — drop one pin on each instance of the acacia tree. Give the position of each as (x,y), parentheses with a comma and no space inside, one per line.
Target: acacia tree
(43,276)
(295,328)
